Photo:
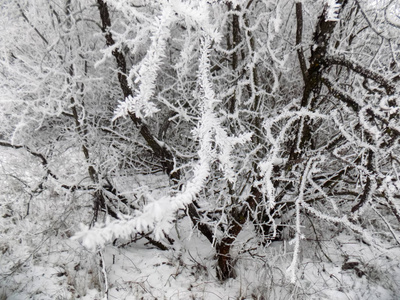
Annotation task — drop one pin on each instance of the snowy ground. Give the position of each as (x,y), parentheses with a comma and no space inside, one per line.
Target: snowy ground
(39,260)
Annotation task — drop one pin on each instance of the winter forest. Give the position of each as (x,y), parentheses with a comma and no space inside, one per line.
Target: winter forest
(193,149)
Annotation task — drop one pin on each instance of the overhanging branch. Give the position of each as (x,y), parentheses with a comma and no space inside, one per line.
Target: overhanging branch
(341,95)
(357,68)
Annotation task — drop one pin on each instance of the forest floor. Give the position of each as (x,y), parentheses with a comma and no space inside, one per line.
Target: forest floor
(39,260)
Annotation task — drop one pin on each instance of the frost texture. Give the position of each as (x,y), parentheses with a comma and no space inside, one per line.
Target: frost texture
(332,13)
(274,158)
(147,75)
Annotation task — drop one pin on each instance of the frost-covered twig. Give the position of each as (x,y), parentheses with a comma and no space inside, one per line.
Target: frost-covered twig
(139,103)
(363,71)
(274,158)
(332,12)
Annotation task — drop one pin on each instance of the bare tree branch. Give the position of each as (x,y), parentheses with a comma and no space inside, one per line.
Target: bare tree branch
(354,66)
(299,37)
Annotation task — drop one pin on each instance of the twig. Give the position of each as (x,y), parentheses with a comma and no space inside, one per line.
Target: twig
(317,240)
(387,224)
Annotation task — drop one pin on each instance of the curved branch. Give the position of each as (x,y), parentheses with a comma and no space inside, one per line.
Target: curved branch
(369,185)
(341,95)
(36,154)
(357,68)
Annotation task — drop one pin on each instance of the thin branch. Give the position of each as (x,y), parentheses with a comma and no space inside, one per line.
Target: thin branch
(36,154)
(30,24)
(369,22)
(387,224)
(45,164)
(368,189)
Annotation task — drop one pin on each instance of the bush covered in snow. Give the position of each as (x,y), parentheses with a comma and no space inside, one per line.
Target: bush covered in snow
(199,149)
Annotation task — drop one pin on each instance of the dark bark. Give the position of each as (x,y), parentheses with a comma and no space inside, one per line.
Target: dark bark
(161,152)
(357,68)
(238,217)
(225,269)
(368,185)
(119,56)
(312,78)
(322,37)
(240,213)
(299,38)
(196,219)
(233,42)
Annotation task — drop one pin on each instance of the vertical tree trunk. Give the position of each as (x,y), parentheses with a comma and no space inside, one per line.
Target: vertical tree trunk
(225,268)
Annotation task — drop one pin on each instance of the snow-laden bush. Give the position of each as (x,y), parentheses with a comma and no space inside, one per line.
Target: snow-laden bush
(267,124)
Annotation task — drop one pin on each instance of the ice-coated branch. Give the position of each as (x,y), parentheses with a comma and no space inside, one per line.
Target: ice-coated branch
(139,103)
(332,12)
(158,215)
(224,143)
(267,165)
(363,71)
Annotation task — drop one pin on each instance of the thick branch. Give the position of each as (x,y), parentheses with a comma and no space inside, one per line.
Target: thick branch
(299,36)
(340,95)
(391,130)
(239,216)
(119,56)
(312,76)
(389,87)
(225,268)
(236,39)
(159,150)
(321,37)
